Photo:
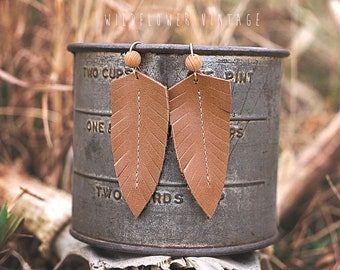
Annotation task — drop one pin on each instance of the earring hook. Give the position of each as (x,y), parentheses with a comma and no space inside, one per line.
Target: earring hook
(133,58)
(134,44)
(191,49)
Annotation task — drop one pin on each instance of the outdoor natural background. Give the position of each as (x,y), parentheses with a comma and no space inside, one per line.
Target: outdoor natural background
(36,98)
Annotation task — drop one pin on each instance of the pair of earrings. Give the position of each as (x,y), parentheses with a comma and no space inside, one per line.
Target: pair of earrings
(198,109)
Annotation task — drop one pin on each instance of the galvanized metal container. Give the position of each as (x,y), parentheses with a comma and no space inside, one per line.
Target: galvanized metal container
(173,223)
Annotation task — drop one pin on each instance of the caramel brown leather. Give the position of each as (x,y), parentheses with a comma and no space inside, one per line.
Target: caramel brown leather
(139,121)
(200,119)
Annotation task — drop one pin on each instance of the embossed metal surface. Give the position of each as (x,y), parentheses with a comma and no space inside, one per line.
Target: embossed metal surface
(172,223)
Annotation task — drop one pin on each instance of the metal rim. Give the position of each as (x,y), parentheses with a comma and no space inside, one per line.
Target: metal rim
(178,49)
(110,246)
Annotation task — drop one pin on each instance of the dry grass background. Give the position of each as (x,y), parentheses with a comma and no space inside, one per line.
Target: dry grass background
(36,85)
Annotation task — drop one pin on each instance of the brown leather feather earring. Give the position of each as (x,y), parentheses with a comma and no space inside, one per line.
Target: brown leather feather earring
(139,127)
(200,107)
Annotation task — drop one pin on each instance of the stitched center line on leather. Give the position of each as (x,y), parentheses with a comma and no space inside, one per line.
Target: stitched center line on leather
(138,138)
(203,138)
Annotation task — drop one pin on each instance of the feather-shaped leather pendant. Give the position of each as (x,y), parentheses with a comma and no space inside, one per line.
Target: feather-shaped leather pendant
(139,127)
(200,108)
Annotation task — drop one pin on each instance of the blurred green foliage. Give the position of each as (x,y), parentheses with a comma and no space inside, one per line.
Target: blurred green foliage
(10,224)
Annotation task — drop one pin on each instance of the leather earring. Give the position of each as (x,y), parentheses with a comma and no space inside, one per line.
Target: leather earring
(200,107)
(139,127)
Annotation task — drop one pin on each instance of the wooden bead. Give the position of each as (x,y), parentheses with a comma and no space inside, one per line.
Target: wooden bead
(132,59)
(193,62)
